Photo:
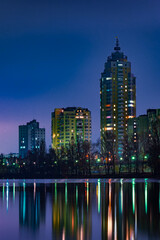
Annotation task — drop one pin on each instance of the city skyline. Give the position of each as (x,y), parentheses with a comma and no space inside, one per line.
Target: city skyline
(52,56)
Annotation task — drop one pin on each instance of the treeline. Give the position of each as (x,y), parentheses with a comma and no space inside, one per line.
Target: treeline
(74,160)
(140,155)
(141,151)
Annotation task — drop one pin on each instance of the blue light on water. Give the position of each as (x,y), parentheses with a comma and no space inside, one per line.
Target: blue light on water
(66,192)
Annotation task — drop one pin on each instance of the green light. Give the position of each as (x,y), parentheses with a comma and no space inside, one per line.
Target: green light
(121,158)
(146,193)
(55,191)
(133,157)
(13,191)
(87,160)
(55,162)
(76,161)
(133,180)
(98,160)
(3,192)
(13,164)
(145,157)
(133,195)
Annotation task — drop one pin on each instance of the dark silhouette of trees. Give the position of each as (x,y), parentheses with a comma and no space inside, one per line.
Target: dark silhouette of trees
(154,147)
(108,149)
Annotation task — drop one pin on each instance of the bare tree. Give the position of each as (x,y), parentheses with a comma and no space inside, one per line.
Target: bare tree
(108,149)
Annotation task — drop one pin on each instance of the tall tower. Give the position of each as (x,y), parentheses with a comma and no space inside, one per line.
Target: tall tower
(117,98)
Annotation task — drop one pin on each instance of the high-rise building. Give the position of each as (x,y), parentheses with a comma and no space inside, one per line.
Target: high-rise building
(70,124)
(117,98)
(140,130)
(30,137)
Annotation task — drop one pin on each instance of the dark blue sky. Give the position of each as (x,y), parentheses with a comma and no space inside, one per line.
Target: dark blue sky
(52,53)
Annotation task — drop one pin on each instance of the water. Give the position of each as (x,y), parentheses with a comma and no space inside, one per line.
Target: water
(80,209)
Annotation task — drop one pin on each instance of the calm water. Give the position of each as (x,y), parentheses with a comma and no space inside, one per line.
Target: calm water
(80,209)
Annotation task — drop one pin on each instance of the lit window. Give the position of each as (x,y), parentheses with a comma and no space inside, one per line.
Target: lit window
(108,128)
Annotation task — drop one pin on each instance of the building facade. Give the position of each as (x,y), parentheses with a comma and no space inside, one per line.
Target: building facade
(140,129)
(117,98)
(70,124)
(30,137)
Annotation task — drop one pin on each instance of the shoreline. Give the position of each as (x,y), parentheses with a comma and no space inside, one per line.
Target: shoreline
(111,176)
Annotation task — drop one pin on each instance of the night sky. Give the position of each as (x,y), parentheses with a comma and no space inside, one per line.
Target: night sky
(52,53)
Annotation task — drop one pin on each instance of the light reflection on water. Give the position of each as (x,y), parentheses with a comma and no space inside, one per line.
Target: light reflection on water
(80,209)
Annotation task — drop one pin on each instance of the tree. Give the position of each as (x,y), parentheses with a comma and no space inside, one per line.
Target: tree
(108,149)
(154,147)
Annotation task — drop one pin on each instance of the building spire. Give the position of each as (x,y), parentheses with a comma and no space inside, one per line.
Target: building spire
(117,47)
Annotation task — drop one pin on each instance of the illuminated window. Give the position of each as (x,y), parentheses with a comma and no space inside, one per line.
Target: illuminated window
(130,105)
(108,128)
